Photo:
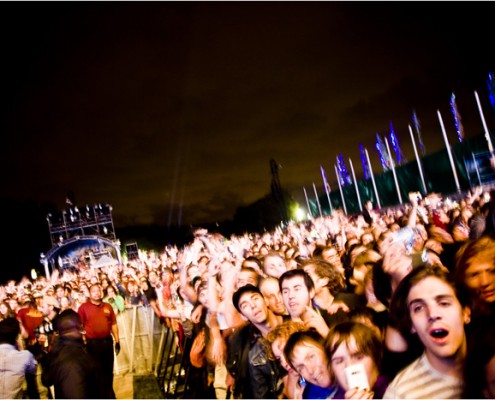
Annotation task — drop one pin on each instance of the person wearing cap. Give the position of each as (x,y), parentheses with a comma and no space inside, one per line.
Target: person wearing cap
(100,324)
(30,318)
(258,376)
(73,373)
(45,335)
(50,307)
(15,365)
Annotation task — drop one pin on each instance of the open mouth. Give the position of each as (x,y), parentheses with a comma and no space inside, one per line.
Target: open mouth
(439,333)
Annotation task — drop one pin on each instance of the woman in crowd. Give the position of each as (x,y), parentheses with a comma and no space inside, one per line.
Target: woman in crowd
(5,310)
(133,294)
(351,345)
(460,226)
(84,293)
(112,297)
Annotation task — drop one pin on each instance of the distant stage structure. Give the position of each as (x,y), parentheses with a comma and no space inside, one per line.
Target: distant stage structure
(81,238)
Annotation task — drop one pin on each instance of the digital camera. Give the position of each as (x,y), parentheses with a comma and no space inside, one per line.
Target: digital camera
(44,329)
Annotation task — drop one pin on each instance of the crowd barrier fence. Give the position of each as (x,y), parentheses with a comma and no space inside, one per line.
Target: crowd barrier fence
(149,347)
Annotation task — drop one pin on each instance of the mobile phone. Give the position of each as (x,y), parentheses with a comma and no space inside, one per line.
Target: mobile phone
(420,258)
(356,377)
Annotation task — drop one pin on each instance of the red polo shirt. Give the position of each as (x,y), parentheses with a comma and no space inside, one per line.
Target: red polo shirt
(97,319)
(31,318)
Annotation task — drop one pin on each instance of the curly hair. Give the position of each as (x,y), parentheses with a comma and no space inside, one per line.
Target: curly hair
(283,331)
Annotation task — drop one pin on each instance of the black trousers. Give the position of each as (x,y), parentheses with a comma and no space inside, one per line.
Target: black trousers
(102,352)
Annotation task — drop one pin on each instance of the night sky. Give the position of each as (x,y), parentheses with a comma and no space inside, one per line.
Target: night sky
(171,111)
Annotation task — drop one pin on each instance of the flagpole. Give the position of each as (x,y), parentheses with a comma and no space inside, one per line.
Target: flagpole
(417,127)
(326,185)
(393,171)
(447,145)
(307,203)
(356,185)
(340,188)
(457,118)
(417,160)
(373,179)
(317,200)
(487,134)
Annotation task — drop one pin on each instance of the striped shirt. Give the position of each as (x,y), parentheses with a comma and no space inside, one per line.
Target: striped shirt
(419,380)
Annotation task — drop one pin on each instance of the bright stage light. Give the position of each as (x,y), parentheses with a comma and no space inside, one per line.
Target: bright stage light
(299,214)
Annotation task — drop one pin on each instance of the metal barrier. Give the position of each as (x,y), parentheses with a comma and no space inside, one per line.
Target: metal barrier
(148,347)
(140,334)
(172,371)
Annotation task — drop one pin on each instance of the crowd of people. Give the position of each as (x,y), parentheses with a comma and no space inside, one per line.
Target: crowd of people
(394,303)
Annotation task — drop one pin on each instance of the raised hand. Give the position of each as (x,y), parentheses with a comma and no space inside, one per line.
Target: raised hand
(336,306)
(313,319)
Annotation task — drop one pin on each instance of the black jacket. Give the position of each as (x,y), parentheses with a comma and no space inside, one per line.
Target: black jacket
(71,370)
(256,376)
